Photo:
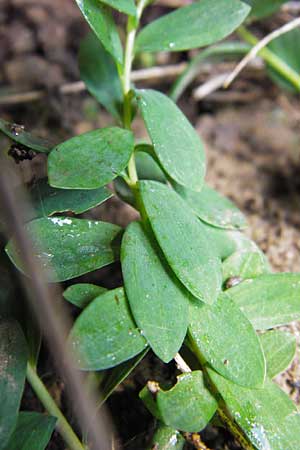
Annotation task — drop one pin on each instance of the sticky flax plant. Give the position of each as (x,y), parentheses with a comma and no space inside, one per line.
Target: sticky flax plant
(193,282)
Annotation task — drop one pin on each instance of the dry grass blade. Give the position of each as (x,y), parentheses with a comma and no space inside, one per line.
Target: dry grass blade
(52,319)
(259,46)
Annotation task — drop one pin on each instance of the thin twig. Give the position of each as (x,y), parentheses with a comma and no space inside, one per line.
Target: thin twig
(260,45)
(52,318)
(181,364)
(152,74)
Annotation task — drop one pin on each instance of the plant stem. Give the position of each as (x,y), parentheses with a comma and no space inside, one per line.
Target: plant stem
(272,59)
(63,425)
(132,26)
(233,428)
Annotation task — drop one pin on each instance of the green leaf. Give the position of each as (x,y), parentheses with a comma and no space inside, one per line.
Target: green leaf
(102,23)
(13,351)
(165,438)
(19,135)
(213,208)
(197,25)
(189,405)
(222,240)
(100,75)
(224,338)
(154,295)
(287,48)
(33,432)
(48,200)
(149,399)
(90,160)
(176,144)
(68,247)
(147,169)
(183,240)
(105,335)
(146,166)
(279,348)
(81,294)
(267,416)
(245,264)
(124,6)
(269,300)
(118,374)
(260,9)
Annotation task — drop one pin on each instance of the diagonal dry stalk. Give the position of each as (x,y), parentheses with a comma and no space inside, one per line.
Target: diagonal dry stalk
(52,318)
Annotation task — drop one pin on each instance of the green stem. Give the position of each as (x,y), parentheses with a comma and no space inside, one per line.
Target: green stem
(63,425)
(228,422)
(132,26)
(272,59)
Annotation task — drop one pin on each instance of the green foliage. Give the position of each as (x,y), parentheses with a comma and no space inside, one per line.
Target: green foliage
(213,208)
(189,405)
(267,416)
(100,19)
(279,349)
(18,134)
(48,201)
(104,335)
(260,9)
(82,294)
(222,336)
(124,6)
(154,295)
(215,18)
(183,240)
(99,72)
(269,300)
(14,353)
(287,48)
(193,282)
(68,247)
(33,432)
(165,438)
(160,114)
(90,160)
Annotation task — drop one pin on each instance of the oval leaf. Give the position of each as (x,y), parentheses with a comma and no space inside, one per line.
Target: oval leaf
(155,294)
(189,405)
(67,247)
(18,134)
(226,340)
(197,25)
(165,438)
(183,240)
(269,300)
(124,6)
(176,143)
(48,200)
(245,264)
(267,416)
(82,294)
(104,335)
(100,75)
(14,354)
(102,23)
(90,160)
(33,432)
(279,348)
(213,208)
